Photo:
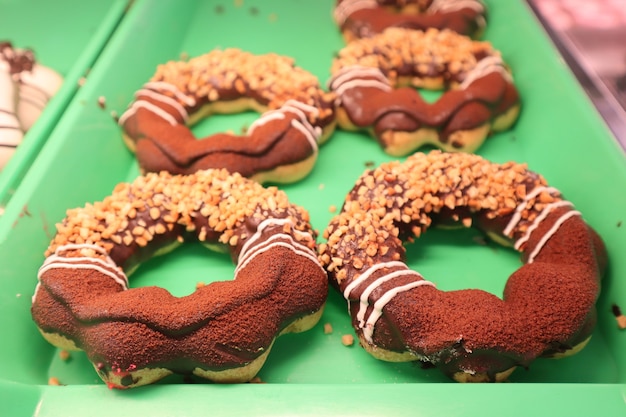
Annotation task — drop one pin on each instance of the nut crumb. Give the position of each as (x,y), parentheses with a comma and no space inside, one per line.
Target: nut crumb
(200,284)
(321,187)
(64,355)
(53,381)
(332,208)
(328,328)
(347,340)
(257,380)
(102,102)
(619,317)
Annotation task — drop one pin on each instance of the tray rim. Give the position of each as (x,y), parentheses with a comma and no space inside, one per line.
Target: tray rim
(35,139)
(268,399)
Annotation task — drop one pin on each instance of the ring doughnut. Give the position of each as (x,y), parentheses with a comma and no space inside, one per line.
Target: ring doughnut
(26,88)
(280,146)
(548,305)
(224,330)
(365,18)
(372,79)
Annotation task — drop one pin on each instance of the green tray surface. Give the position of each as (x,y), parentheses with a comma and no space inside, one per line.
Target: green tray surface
(559,134)
(66,36)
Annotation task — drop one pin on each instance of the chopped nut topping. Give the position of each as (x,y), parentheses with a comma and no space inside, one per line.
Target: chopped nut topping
(405,195)
(429,53)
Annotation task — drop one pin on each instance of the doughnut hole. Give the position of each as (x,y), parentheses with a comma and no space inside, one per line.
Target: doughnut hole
(460,258)
(184,268)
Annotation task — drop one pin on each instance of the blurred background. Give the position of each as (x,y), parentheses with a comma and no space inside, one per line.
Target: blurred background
(591,35)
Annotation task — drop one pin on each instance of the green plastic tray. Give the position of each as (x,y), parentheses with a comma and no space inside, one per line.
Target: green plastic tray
(66,36)
(559,135)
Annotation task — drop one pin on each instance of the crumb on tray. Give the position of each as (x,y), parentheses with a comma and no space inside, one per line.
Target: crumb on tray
(347,340)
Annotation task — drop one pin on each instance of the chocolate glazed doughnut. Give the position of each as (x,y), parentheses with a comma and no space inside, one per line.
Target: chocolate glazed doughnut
(281,146)
(373,80)
(224,330)
(548,305)
(366,18)
(26,87)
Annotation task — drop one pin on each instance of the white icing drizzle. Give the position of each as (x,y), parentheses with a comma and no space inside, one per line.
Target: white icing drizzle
(555,227)
(105,266)
(274,242)
(517,215)
(151,89)
(541,217)
(377,311)
(259,232)
(368,273)
(150,107)
(255,246)
(267,117)
(302,106)
(363,299)
(155,95)
(355,83)
(311,133)
(452,5)
(287,107)
(347,7)
(312,138)
(486,66)
(367,325)
(162,85)
(357,76)
(357,71)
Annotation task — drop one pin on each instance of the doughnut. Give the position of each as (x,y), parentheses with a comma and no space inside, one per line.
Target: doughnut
(548,305)
(11,133)
(373,79)
(366,18)
(224,330)
(27,87)
(281,146)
